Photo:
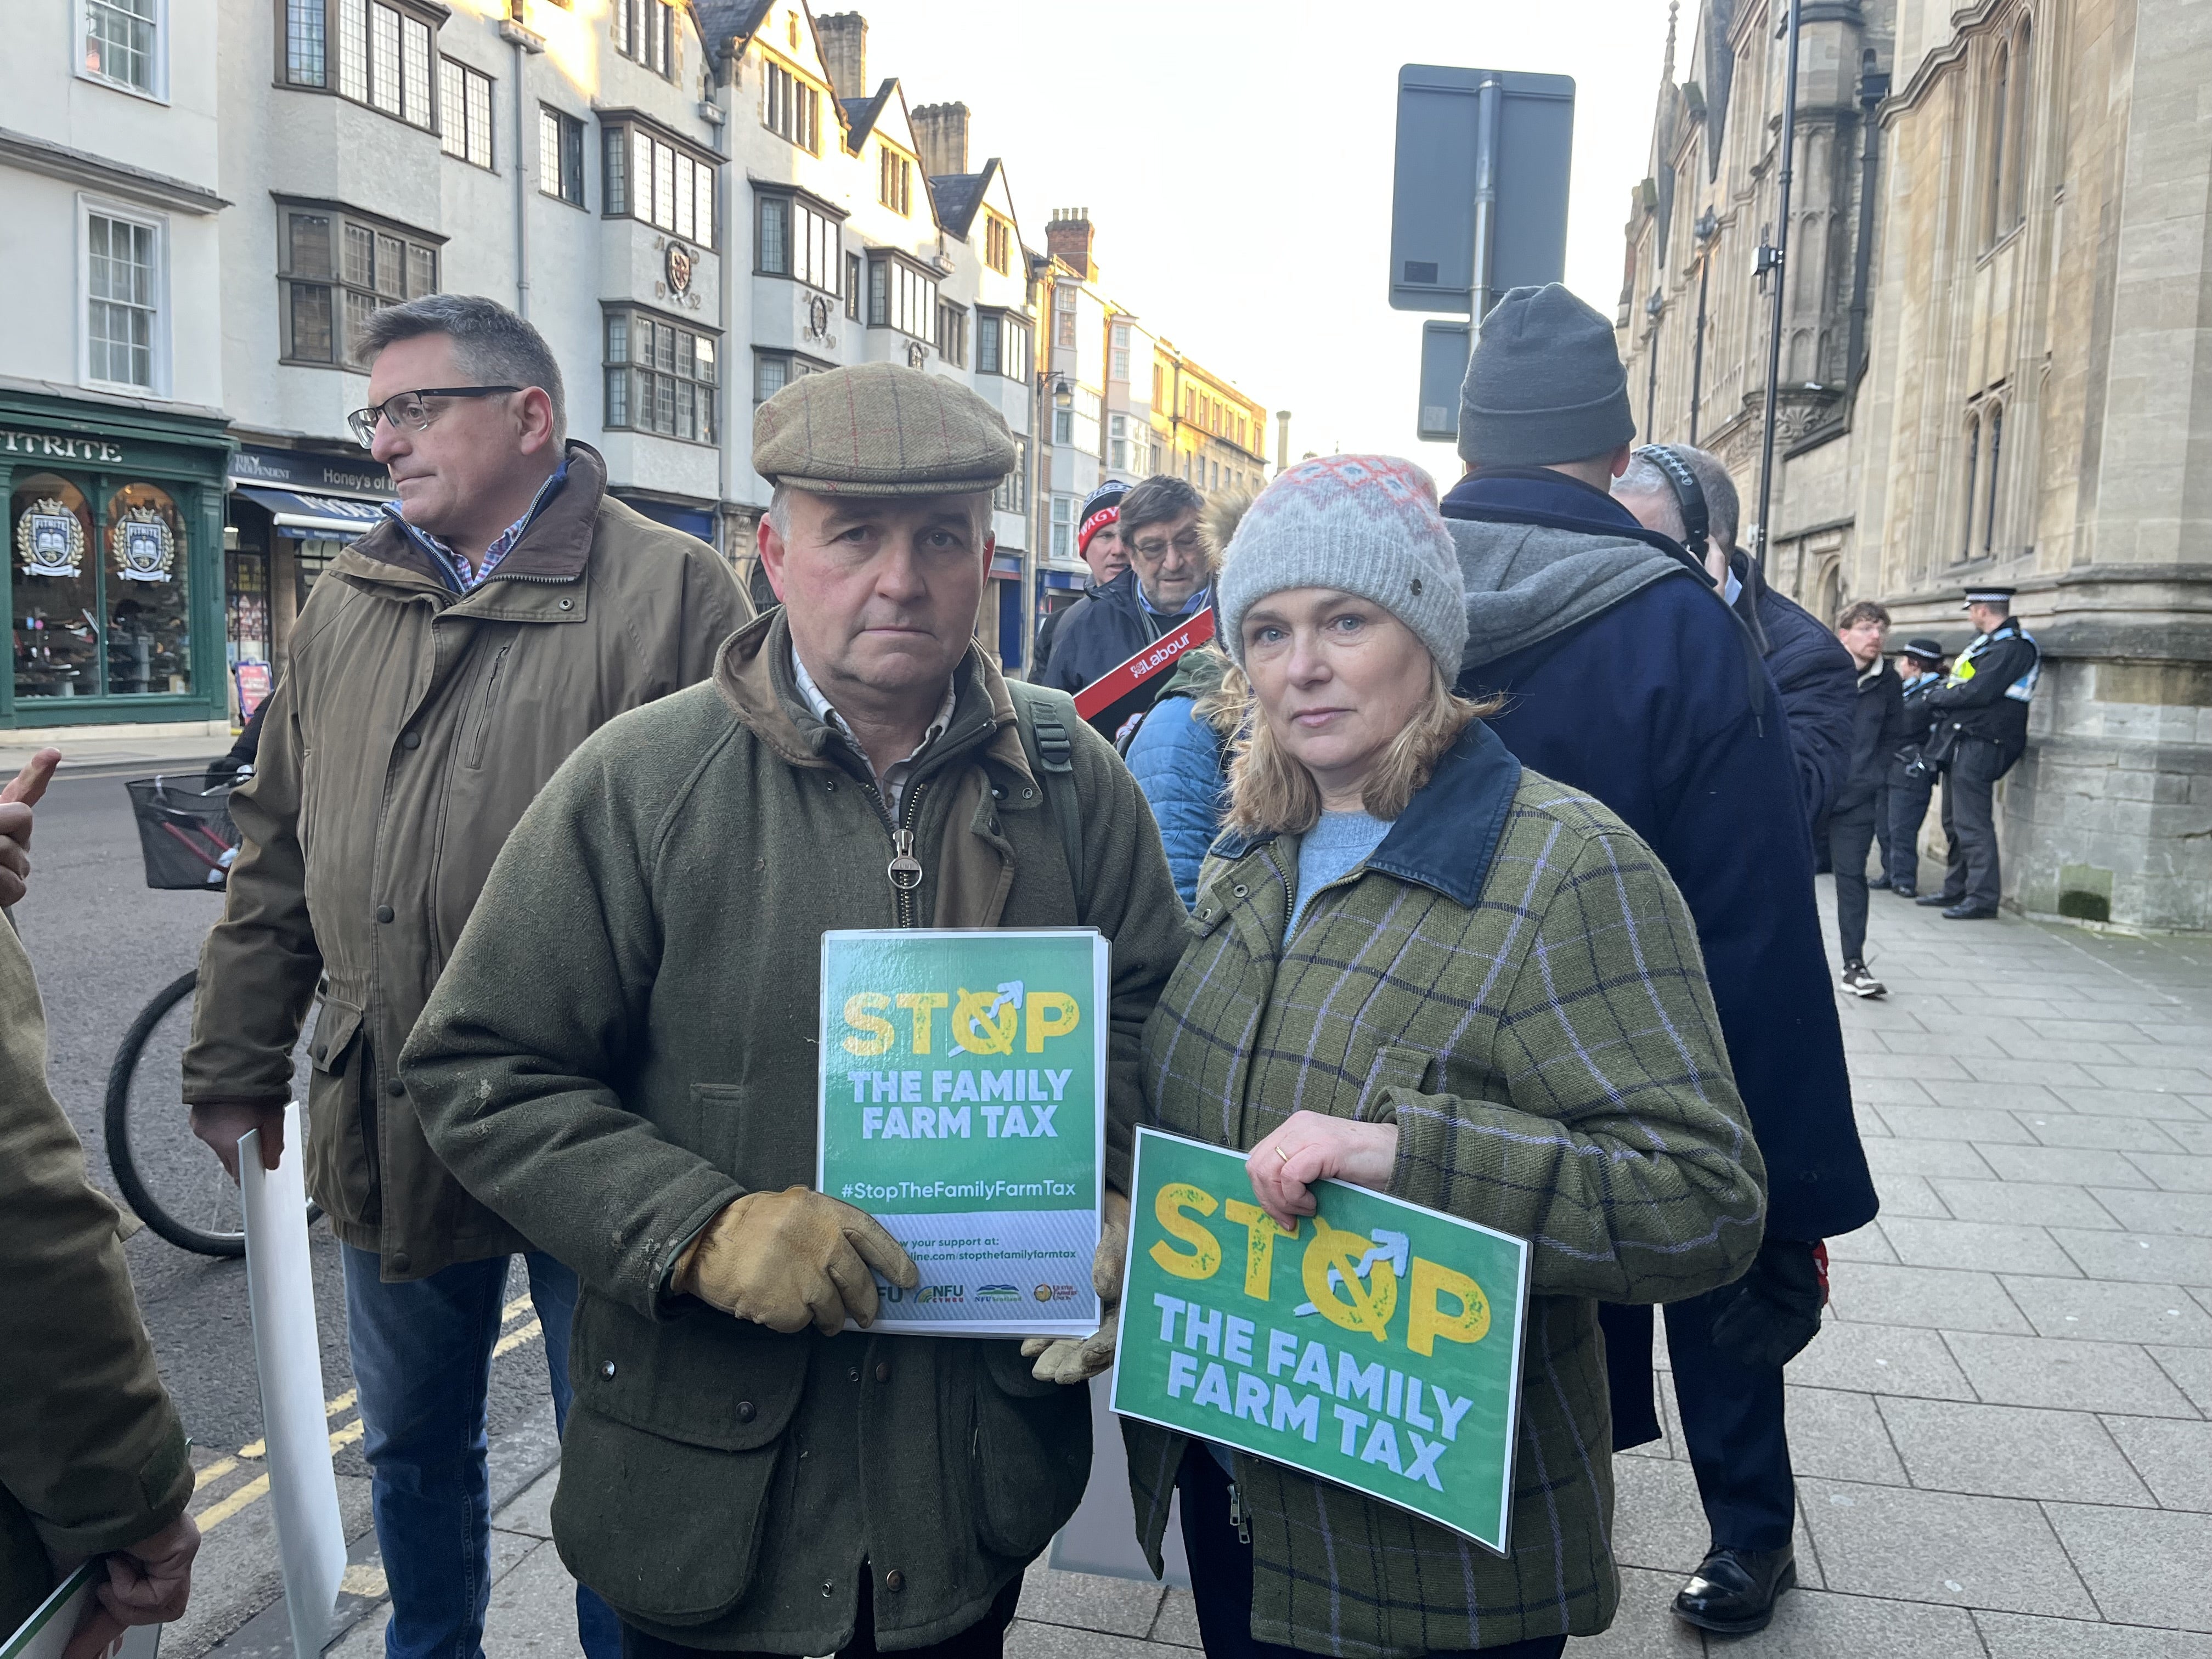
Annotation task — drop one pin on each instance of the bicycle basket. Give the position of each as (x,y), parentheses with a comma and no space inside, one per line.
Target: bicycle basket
(184,831)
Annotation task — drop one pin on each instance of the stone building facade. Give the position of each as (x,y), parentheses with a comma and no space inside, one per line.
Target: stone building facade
(1995,368)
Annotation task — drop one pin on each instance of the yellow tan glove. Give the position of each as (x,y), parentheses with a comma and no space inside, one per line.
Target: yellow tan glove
(792,1259)
(1066,1359)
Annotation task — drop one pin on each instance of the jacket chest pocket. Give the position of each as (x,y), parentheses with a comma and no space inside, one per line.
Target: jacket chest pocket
(765,1145)
(485,706)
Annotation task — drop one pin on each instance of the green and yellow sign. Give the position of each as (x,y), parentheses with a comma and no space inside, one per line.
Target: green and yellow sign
(962,1103)
(1378,1347)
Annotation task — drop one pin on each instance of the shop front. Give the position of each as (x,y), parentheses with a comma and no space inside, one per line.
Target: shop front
(115,589)
(290,513)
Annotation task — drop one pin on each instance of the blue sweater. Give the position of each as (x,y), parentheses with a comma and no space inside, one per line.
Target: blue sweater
(1655,705)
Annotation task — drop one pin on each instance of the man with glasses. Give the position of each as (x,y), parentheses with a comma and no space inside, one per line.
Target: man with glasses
(1168,580)
(441,672)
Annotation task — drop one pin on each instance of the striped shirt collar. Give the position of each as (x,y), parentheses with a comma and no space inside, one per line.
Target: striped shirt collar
(459,574)
(891,782)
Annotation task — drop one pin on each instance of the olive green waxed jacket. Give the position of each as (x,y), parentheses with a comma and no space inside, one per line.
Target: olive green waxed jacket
(411,727)
(625,1041)
(92,1457)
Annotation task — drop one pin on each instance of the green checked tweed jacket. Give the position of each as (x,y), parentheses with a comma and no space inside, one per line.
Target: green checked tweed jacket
(1513,980)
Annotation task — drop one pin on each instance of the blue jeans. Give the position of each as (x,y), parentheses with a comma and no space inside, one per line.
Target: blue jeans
(422,1362)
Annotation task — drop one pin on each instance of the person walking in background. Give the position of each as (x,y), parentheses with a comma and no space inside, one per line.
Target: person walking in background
(93,1460)
(1569,1082)
(622,1059)
(1098,545)
(1980,732)
(441,671)
(1911,779)
(1625,680)
(1878,729)
(1168,582)
(1687,494)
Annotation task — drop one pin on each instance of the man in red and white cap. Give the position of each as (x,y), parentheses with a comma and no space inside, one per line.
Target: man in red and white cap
(1099,544)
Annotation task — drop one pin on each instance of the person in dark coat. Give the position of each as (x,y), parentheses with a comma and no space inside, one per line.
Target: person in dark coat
(1982,711)
(1687,494)
(1911,779)
(1625,678)
(1168,580)
(1878,728)
(1098,545)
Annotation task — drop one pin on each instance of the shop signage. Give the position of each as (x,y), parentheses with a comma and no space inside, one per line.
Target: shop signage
(49,540)
(143,547)
(58,446)
(1376,1346)
(293,470)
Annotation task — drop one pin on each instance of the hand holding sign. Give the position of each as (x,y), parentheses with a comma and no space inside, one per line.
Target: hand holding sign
(1311,1146)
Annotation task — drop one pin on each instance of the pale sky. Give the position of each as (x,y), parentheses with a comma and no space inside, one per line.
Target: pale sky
(1235,157)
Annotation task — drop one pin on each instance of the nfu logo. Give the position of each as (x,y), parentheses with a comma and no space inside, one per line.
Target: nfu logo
(997,1293)
(940,1293)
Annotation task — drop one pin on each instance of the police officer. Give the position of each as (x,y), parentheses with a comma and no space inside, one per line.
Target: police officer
(1981,729)
(1912,779)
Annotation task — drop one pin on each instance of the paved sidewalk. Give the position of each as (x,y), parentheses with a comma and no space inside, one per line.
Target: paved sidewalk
(2002,1436)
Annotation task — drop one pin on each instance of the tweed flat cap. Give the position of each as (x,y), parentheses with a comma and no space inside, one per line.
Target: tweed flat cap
(878,429)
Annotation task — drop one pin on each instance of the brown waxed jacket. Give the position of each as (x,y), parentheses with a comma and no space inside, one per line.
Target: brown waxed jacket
(412,726)
(92,1457)
(626,1042)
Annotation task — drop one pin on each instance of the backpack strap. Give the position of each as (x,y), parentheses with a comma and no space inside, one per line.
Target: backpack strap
(1047,719)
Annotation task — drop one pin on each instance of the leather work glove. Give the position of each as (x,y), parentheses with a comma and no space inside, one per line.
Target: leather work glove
(1067,1359)
(792,1259)
(1777,1309)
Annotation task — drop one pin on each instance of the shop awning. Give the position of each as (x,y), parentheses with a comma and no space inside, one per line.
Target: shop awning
(326,517)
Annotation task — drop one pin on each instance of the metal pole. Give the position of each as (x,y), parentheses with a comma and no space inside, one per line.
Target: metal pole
(1708,230)
(1777,269)
(1487,96)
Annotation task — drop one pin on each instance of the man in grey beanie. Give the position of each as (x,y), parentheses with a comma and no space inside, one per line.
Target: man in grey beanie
(1629,677)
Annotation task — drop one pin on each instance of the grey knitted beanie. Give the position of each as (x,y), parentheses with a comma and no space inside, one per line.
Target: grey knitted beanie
(1360,523)
(1545,385)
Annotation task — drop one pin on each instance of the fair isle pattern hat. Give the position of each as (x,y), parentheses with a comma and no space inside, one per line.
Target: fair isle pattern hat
(1359,524)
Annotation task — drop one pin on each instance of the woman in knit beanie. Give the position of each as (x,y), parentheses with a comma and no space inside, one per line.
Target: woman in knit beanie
(1416,967)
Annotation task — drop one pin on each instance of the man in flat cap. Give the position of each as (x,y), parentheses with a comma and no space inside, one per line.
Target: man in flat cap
(620,1059)
(1981,730)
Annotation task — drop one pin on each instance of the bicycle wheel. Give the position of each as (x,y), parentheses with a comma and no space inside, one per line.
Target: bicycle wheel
(174,1184)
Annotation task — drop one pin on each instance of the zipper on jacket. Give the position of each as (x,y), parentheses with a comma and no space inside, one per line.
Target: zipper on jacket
(476,754)
(905,871)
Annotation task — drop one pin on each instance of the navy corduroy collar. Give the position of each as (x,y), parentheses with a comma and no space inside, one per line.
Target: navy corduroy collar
(1448,832)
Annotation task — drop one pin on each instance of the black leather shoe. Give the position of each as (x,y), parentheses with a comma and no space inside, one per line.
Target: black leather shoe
(1733,1591)
(1878,884)
(1904,891)
(1970,913)
(1935,901)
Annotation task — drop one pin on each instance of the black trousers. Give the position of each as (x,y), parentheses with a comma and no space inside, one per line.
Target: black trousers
(984,1639)
(1908,811)
(1221,1576)
(1732,1417)
(1881,822)
(1970,824)
(1850,832)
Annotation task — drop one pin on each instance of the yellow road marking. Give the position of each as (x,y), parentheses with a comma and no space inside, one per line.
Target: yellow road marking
(254,1490)
(215,1514)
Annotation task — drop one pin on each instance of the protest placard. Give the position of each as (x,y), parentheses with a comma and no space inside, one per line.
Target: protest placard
(1378,1347)
(962,1103)
(48,1632)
